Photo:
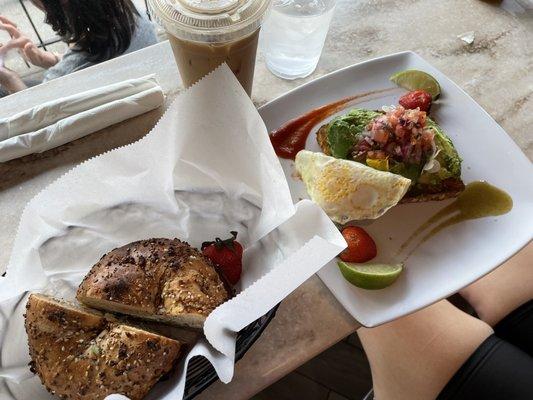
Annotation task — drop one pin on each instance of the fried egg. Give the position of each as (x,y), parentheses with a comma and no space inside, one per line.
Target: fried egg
(347,190)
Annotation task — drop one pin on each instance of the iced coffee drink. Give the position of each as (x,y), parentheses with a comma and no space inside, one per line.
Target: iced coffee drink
(206,33)
(195,59)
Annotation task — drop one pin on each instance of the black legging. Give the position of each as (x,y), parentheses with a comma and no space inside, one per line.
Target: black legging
(502,366)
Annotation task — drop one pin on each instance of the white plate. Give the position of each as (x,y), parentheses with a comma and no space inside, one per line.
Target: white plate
(458,255)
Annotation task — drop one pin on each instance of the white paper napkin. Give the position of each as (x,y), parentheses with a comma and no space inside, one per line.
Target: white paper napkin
(63,120)
(206,168)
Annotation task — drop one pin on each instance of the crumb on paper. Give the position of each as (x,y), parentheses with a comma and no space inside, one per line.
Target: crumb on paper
(467,37)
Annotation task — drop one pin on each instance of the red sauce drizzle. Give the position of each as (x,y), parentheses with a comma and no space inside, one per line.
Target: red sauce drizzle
(291,137)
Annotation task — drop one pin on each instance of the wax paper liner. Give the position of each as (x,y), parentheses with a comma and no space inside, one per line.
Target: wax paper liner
(206,168)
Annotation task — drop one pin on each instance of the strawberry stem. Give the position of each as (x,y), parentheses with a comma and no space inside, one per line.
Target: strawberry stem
(220,244)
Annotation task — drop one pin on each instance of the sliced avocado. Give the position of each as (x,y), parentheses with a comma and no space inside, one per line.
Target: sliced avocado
(448,157)
(344,131)
(409,171)
(341,138)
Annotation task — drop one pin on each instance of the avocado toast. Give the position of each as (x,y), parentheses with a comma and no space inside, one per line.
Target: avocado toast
(398,140)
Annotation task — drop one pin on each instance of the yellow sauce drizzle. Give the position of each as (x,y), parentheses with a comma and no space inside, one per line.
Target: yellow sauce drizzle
(479,200)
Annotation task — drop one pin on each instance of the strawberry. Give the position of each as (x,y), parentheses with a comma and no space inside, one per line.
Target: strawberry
(227,254)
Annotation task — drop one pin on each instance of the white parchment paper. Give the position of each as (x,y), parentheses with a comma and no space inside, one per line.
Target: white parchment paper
(205,169)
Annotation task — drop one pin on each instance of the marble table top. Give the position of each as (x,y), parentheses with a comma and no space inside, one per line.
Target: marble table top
(495,70)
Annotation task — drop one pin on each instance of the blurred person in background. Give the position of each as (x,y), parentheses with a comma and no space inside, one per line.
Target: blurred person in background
(95,31)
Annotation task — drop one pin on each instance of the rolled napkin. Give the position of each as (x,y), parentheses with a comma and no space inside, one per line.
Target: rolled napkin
(60,121)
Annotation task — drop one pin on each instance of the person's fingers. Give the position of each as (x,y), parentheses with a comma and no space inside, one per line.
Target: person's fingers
(32,53)
(13,32)
(18,43)
(28,50)
(6,20)
(29,47)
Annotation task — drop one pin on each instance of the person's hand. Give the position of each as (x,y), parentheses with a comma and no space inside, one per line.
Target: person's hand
(27,48)
(10,81)
(18,40)
(6,76)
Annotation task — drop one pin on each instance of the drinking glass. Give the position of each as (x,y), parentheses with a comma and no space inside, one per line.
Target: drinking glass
(294,34)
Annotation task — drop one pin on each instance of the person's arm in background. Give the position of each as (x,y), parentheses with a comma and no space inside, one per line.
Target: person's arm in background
(35,55)
(10,81)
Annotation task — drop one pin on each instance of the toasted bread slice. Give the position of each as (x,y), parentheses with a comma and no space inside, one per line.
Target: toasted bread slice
(322,139)
(450,188)
(81,354)
(159,279)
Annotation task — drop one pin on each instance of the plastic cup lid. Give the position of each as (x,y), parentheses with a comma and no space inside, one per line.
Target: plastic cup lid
(209,7)
(209,20)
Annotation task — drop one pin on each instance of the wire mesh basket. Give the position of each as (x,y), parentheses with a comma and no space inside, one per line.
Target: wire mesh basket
(201,374)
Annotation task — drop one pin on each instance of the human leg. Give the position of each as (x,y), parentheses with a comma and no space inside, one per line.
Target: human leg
(503,299)
(415,356)
(504,289)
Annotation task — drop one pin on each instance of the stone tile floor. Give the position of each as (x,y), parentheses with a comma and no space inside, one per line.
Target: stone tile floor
(339,373)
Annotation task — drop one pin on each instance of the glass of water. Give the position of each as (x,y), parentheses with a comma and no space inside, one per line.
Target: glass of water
(294,35)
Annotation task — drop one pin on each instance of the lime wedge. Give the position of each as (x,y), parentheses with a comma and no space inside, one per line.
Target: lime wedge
(370,276)
(413,79)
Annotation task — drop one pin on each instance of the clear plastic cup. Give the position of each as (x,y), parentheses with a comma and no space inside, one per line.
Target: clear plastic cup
(293,36)
(206,33)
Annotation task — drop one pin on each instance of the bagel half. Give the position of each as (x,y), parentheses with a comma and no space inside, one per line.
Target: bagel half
(81,354)
(159,279)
